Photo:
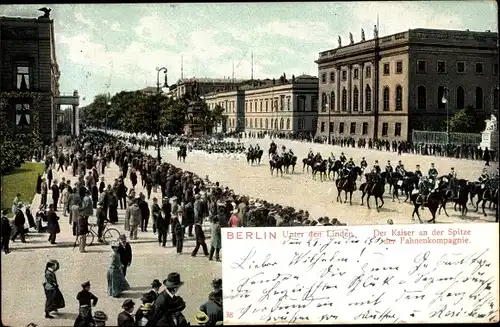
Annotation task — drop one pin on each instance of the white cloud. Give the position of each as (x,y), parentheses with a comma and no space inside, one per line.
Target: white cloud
(205,44)
(153,28)
(116,27)
(304,31)
(80,19)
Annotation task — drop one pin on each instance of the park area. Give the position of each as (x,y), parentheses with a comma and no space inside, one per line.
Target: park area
(23,181)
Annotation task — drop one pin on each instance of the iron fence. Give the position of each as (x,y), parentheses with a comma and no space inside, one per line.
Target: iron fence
(430,137)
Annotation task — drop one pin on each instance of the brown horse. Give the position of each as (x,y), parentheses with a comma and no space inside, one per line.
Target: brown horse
(348,185)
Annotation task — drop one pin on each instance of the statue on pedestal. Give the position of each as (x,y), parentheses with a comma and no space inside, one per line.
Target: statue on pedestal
(340,42)
(491,124)
(351,39)
(362,35)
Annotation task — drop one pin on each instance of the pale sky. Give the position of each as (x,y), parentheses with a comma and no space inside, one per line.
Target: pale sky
(115,47)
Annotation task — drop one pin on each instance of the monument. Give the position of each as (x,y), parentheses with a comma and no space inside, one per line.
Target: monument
(489,137)
(194,124)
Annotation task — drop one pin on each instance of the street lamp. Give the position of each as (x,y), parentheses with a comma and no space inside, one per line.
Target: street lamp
(445,101)
(164,88)
(108,107)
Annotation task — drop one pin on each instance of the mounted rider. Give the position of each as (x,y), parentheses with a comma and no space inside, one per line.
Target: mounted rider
(418,172)
(433,173)
(424,189)
(400,168)
(388,168)
(376,166)
(484,179)
(317,157)
(290,152)
(310,155)
(257,147)
(363,164)
(452,186)
(342,158)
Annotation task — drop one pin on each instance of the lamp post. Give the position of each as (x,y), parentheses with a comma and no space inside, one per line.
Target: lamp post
(165,85)
(108,107)
(445,101)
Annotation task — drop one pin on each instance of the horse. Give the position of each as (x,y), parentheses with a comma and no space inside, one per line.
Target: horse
(348,185)
(278,164)
(320,167)
(490,195)
(334,167)
(307,162)
(436,199)
(181,153)
(376,189)
(289,161)
(405,184)
(477,188)
(255,155)
(462,196)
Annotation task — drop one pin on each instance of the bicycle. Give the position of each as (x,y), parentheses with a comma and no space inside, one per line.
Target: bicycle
(108,234)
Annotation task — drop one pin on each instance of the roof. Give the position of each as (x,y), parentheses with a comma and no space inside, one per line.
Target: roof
(210,80)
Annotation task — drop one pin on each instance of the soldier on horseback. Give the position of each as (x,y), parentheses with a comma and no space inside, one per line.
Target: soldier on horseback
(400,168)
(290,152)
(342,158)
(350,164)
(310,155)
(388,168)
(377,167)
(317,157)
(418,173)
(424,189)
(453,174)
(484,179)
(363,163)
(432,173)
(332,157)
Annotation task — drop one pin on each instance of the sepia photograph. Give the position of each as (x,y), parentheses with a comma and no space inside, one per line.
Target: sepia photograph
(177,164)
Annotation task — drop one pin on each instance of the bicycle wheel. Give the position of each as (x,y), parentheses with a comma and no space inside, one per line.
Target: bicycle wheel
(90,238)
(110,235)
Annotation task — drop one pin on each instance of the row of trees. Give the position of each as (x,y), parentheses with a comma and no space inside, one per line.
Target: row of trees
(138,112)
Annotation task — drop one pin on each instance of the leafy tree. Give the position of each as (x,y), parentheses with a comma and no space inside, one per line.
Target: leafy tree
(212,118)
(468,120)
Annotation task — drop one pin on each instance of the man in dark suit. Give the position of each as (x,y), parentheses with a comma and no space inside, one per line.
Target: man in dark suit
(165,299)
(125,318)
(53,227)
(155,290)
(125,251)
(6,231)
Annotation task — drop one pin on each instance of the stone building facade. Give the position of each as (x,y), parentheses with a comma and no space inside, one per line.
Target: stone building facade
(204,86)
(29,78)
(388,86)
(288,106)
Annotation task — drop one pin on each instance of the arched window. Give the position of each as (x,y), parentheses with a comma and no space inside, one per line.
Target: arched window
(355,99)
(323,102)
(479,98)
(246,122)
(332,101)
(282,123)
(260,123)
(255,122)
(387,96)
(344,99)
(276,123)
(272,121)
(267,123)
(288,123)
(440,95)
(368,98)
(460,100)
(399,98)
(421,98)
(301,124)
(251,123)
(495,98)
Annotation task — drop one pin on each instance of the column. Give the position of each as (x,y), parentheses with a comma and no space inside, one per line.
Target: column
(361,87)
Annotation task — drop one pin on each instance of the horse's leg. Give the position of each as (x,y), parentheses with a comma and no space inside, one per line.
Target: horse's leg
(339,197)
(376,203)
(433,213)
(407,193)
(483,206)
(381,200)
(368,200)
(443,206)
(350,197)
(362,196)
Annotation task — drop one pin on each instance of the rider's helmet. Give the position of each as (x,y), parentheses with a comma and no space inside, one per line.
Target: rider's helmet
(388,162)
(400,162)
(350,159)
(376,162)
(363,158)
(418,166)
(342,153)
(432,165)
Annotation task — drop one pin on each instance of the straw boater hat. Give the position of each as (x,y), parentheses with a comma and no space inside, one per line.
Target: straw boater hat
(200,318)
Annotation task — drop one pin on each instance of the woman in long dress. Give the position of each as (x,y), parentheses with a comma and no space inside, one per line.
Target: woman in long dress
(116,281)
(54,297)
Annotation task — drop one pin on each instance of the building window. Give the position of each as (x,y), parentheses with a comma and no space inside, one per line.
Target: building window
(344,75)
(495,98)
(399,98)
(344,99)
(282,102)
(246,122)
(479,68)
(302,103)
(275,105)
(322,127)
(23,114)
(314,104)
(387,98)
(385,129)
(276,123)
(323,102)
(22,77)
(356,73)
(353,128)
(441,67)
(282,123)
(272,123)
(246,106)
(368,98)
(387,69)
(323,78)
(314,123)
(267,123)
(267,105)
(288,103)
(332,77)
(260,105)
(251,123)
(288,123)
(421,66)
(397,129)
(368,72)
(255,122)
(355,99)
(301,124)
(332,101)
(440,95)
(460,101)
(330,129)
(251,106)
(341,128)
(399,67)
(479,98)
(460,67)
(495,69)
(421,98)
(260,123)
(365,129)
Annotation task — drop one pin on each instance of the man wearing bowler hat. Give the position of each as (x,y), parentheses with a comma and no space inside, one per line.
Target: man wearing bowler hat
(165,299)
(125,318)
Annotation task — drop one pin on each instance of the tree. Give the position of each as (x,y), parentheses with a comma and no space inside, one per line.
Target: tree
(212,118)
(468,120)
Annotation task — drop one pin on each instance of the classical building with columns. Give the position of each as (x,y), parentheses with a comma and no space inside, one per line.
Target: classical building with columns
(388,86)
(283,105)
(29,79)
